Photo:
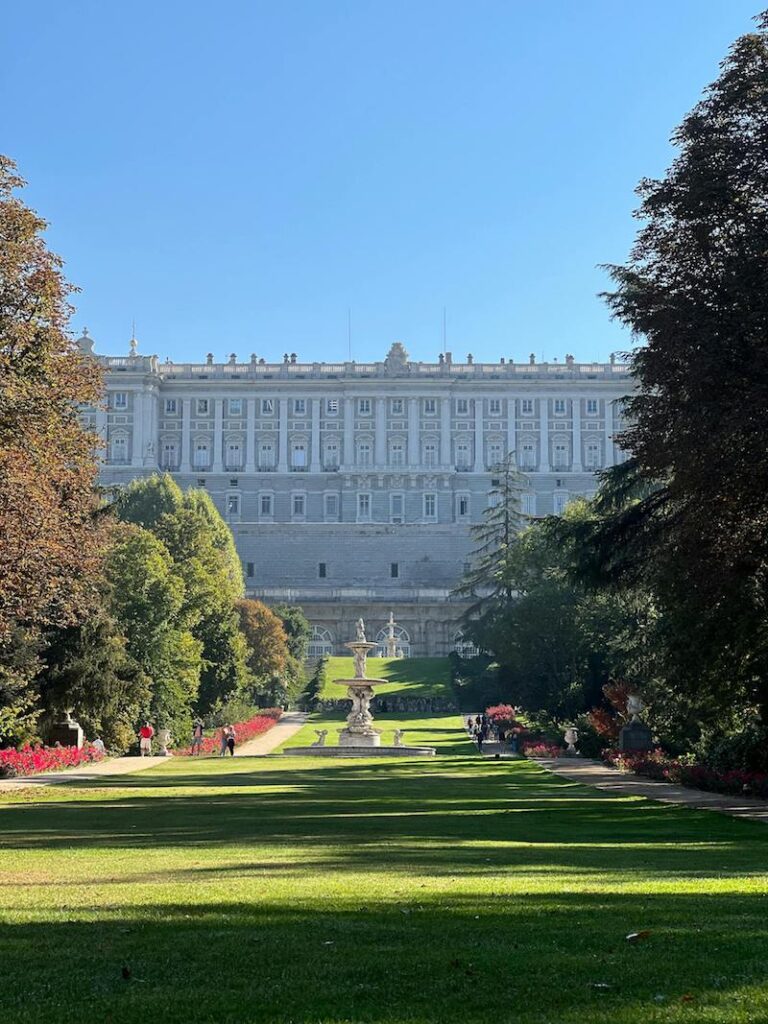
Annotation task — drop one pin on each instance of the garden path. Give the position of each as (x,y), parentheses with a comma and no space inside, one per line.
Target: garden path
(83,772)
(602,776)
(287,725)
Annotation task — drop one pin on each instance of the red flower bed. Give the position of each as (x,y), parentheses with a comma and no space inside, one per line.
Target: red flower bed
(502,714)
(244,731)
(655,764)
(539,748)
(31,760)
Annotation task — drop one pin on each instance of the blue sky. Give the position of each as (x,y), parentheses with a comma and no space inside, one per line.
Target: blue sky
(236,175)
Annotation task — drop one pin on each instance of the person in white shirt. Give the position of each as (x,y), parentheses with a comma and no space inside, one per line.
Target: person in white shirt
(98,744)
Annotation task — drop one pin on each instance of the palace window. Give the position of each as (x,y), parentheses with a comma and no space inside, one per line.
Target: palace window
(321,643)
(331,456)
(234,455)
(321,570)
(203,407)
(249,567)
(331,505)
(494,407)
(298,505)
(364,507)
(526,406)
(396,507)
(235,406)
(394,570)
(266,505)
(591,407)
(332,406)
(430,455)
(397,407)
(559,407)
(561,459)
(462,506)
(118,449)
(202,455)
(528,456)
(299,407)
(397,454)
(462,406)
(364,454)
(430,406)
(528,504)
(169,456)
(266,456)
(495,454)
(364,406)
(430,506)
(594,456)
(299,457)
(462,455)
(267,407)
(233,505)
(119,400)
(560,501)
(171,407)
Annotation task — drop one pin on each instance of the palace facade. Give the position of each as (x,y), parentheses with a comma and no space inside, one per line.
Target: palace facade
(351,487)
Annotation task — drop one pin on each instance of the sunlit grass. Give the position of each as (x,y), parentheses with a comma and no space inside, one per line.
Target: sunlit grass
(410,677)
(446,890)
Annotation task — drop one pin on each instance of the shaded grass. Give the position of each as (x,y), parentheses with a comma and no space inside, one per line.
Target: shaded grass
(409,677)
(441,890)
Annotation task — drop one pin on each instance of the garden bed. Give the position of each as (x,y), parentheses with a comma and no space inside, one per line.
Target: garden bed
(33,760)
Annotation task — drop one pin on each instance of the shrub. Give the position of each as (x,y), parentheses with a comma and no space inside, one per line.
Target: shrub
(540,748)
(31,760)
(685,771)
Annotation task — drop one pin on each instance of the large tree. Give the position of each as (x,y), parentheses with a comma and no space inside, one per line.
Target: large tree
(50,546)
(695,293)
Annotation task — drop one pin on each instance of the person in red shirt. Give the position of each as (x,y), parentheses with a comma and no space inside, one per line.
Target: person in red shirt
(146,732)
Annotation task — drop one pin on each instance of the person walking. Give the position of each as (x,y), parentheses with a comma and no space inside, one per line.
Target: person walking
(223,740)
(197,738)
(146,732)
(479,737)
(231,740)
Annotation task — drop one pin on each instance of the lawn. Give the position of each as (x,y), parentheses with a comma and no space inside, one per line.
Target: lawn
(443,732)
(433,891)
(411,677)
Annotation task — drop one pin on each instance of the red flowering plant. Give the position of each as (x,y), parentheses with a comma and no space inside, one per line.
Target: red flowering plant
(541,748)
(31,760)
(655,764)
(607,722)
(244,731)
(503,716)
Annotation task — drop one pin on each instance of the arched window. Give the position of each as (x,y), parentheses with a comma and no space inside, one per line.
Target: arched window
(234,459)
(202,458)
(464,648)
(169,456)
(402,642)
(321,643)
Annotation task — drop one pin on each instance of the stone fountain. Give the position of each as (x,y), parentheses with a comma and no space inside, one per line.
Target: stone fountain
(359,737)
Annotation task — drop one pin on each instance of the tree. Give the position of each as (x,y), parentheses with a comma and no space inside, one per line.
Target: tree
(297,628)
(148,599)
(87,668)
(486,580)
(266,639)
(50,542)
(695,292)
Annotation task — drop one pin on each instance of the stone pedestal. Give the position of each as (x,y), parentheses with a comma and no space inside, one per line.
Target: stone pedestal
(635,736)
(67,732)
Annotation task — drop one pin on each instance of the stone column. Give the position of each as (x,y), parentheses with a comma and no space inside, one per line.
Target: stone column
(101,429)
(137,443)
(479,466)
(445,432)
(282,437)
(380,457)
(250,438)
(414,456)
(576,413)
(186,434)
(511,425)
(610,426)
(218,434)
(152,432)
(348,455)
(543,435)
(314,458)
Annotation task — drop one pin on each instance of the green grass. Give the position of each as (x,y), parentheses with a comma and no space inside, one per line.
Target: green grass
(444,732)
(433,891)
(411,677)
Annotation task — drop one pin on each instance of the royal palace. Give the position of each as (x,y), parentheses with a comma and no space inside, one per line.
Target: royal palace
(351,487)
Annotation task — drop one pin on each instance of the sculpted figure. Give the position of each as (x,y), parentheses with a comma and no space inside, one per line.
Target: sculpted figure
(360,630)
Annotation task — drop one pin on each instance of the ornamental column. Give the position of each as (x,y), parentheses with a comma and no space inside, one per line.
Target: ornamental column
(250,435)
(445,432)
(137,449)
(576,413)
(544,435)
(380,457)
(186,415)
(348,456)
(610,426)
(218,434)
(511,425)
(479,464)
(413,432)
(314,459)
(282,436)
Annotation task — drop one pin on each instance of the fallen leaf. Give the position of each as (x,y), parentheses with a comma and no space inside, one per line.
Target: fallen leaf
(638,936)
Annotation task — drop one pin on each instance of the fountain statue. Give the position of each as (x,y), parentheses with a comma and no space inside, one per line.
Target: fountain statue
(359,731)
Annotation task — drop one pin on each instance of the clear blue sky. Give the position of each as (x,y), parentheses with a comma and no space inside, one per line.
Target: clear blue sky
(235,175)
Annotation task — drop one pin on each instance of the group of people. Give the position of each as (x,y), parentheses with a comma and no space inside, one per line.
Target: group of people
(482,729)
(227,738)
